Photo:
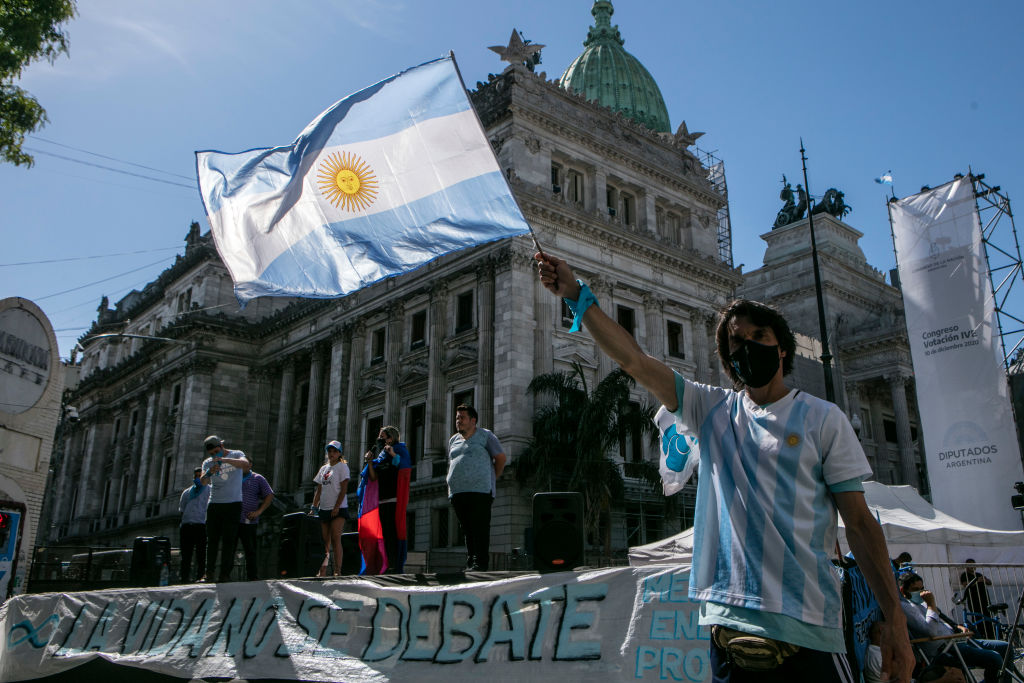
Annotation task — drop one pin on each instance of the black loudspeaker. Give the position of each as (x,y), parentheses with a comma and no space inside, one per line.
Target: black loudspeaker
(557,531)
(151,561)
(301,551)
(351,556)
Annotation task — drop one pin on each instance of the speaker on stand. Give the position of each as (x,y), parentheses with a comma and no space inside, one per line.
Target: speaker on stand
(558,543)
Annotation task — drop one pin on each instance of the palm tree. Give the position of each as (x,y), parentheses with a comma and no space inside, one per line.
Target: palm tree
(575,435)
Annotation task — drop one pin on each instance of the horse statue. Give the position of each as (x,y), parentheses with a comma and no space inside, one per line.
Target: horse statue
(833,204)
(792,211)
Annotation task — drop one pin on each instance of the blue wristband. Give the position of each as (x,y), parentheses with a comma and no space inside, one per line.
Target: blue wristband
(579,306)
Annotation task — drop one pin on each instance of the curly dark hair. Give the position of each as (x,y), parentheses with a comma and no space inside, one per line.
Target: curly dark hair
(761,315)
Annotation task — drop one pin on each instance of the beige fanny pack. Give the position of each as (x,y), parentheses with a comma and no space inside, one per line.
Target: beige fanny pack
(753,653)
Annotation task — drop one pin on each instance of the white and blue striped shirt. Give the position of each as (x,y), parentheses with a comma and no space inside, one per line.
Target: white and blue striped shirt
(766,522)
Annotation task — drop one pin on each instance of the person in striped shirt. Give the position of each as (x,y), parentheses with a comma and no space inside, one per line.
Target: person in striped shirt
(777,464)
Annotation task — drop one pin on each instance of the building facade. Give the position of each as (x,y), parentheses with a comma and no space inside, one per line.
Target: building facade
(640,215)
(631,207)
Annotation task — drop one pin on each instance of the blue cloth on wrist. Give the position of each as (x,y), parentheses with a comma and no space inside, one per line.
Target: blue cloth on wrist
(579,306)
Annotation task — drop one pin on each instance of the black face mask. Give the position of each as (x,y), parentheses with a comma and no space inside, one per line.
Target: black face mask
(380,444)
(755,364)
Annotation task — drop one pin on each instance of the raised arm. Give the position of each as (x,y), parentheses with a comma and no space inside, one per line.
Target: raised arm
(614,340)
(868,545)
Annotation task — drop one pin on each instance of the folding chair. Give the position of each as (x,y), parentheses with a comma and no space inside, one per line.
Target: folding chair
(948,643)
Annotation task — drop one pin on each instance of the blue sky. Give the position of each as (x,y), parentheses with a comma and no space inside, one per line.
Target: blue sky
(923,89)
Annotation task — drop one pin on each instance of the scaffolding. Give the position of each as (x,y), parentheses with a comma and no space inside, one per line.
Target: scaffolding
(716,176)
(1002,254)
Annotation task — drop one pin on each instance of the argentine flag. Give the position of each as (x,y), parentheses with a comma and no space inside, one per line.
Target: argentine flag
(384,181)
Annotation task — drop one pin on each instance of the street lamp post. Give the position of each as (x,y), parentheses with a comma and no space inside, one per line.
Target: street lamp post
(826,357)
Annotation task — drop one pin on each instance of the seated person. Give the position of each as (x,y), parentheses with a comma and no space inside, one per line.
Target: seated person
(936,673)
(925,620)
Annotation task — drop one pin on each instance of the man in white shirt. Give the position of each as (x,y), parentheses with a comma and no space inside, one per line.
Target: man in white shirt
(223,471)
(776,466)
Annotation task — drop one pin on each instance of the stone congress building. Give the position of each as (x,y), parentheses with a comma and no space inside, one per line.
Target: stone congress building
(597,171)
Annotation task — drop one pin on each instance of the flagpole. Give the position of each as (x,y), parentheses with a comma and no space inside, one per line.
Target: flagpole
(826,357)
(451,55)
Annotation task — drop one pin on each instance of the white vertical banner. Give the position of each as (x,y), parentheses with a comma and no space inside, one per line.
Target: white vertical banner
(962,392)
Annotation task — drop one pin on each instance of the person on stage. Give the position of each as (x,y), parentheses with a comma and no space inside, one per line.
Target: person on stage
(391,468)
(256,498)
(475,461)
(223,471)
(192,507)
(330,503)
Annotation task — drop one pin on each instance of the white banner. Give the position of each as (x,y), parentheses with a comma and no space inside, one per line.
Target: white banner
(963,396)
(618,624)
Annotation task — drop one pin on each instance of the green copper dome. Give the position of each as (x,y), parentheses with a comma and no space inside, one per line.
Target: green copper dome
(607,74)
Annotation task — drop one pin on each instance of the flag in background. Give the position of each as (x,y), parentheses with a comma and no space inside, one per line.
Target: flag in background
(384,181)
(885,178)
(371,531)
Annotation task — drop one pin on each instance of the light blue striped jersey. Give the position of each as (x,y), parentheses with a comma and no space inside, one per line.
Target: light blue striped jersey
(765,522)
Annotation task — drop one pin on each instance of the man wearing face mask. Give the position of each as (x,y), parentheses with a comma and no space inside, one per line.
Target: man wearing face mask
(926,621)
(776,467)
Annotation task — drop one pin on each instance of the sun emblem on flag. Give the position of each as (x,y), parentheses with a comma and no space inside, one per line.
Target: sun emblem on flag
(347,181)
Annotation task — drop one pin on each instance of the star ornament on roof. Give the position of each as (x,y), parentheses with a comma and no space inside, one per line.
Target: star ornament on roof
(517,51)
(684,136)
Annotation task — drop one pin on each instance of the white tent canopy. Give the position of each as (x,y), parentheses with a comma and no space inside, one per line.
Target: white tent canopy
(906,517)
(909,523)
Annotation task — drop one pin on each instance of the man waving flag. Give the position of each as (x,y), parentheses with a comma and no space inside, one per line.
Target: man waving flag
(384,181)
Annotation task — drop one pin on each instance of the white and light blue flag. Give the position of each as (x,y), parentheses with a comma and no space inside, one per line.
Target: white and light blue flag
(384,181)
(885,178)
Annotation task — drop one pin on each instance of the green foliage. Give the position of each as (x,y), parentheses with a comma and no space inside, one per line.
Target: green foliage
(575,435)
(29,30)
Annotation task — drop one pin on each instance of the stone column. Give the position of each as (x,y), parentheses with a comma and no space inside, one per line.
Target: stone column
(335,381)
(602,289)
(310,453)
(588,183)
(435,440)
(193,424)
(898,387)
(516,349)
(598,189)
(547,312)
(485,343)
(284,422)
(61,498)
(852,391)
(876,395)
(646,212)
(353,434)
(146,453)
(155,455)
(699,321)
(90,486)
(261,378)
(654,322)
(392,395)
